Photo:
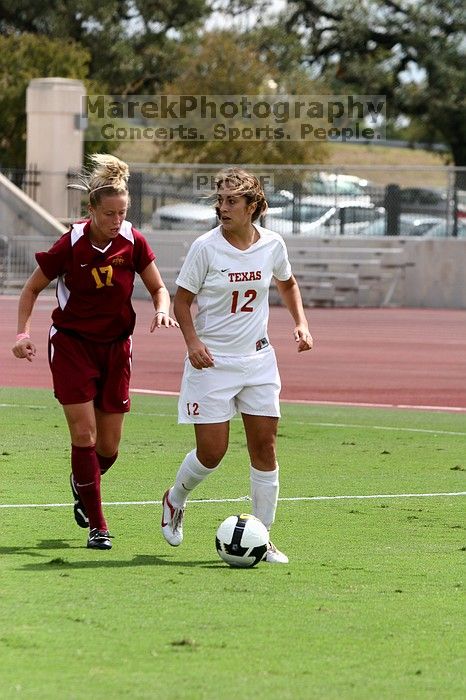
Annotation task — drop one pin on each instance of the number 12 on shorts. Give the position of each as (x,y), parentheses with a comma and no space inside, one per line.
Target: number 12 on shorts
(192,408)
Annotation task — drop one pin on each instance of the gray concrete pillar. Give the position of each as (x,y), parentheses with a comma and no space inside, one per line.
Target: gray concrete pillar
(54,139)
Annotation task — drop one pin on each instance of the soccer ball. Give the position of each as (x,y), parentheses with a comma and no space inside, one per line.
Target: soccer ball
(242,540)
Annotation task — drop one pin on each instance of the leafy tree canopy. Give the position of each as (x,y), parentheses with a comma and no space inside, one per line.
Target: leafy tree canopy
(413,52)
(116,46)
(131,43)
(228,63)
(22,58)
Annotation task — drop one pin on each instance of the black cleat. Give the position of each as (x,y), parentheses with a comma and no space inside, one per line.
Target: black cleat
(99,539)
(80,514)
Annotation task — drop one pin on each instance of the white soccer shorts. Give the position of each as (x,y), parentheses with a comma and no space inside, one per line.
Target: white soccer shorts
(245,384)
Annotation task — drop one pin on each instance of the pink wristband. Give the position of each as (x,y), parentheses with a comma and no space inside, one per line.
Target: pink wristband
(22,336)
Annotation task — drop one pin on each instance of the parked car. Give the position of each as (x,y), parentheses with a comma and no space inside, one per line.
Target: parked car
(337,185)
(443,229)
(299,219)
(198,216)
(461,204)
(312,219)
(277,201)
(410,225)
(421,200)
(327,200)
(185,216)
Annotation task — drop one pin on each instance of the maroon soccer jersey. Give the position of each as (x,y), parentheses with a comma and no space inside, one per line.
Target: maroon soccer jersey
(94,286)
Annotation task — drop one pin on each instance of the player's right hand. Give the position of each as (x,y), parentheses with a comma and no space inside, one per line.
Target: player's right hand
(24,349)
(200,356)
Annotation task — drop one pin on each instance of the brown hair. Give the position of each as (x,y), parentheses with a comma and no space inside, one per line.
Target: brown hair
(243,184)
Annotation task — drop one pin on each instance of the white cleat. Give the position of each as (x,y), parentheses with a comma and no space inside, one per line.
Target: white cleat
(274,556)
(172,522)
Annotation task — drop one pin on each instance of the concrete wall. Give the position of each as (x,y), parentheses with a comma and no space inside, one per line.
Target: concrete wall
(436,274)
(54,138)
(21,216)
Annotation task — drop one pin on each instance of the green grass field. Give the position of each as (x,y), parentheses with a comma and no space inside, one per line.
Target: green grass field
(371,605)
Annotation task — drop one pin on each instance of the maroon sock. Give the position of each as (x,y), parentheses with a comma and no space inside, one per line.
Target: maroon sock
(86,474)
(106,462)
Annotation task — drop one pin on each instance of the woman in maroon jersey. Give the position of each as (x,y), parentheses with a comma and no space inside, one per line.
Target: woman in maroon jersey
(94,263)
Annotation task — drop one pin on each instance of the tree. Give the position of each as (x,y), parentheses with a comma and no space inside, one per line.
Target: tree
(117,47)
(22,58)
(371,46)
(132,43)
(228,63)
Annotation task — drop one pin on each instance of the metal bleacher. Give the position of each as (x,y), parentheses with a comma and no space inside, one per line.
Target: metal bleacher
(347,272)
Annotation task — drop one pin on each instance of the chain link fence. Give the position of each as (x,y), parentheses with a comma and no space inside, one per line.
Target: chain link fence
(17,259)
(320,211)
(310,201)
(303,200)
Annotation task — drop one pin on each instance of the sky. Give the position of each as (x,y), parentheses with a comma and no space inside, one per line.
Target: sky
(218,20)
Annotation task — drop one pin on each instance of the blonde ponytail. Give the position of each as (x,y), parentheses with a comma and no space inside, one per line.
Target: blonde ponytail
(108,176)
(108,171)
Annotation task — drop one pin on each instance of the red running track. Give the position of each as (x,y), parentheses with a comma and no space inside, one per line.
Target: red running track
(413,357)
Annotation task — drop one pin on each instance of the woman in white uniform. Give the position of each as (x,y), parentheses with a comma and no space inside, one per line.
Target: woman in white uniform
(230,364)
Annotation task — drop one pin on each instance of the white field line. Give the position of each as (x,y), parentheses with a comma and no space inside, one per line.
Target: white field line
(319,424)
(429,431)
(20,405)
(242,499)
(306,402)
(414,407)
(154,392)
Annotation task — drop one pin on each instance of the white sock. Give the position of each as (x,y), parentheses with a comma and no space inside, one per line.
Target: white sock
(264,494)
(190,474)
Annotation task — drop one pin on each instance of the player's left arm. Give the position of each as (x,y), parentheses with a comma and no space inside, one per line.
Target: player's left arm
(153,282)
(291,296)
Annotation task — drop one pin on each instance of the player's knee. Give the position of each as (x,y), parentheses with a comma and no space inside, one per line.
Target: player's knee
(211,457)
(107,448)
(83,435)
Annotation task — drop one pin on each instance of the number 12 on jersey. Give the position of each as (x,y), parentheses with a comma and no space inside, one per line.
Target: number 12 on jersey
(244,302)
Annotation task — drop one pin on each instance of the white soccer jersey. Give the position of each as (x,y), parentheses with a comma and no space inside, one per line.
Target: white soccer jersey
(232,288)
